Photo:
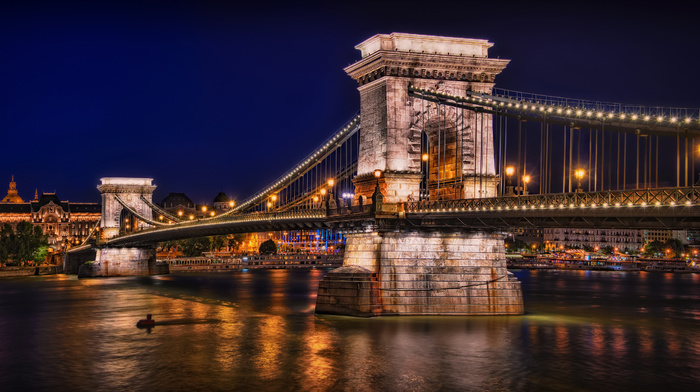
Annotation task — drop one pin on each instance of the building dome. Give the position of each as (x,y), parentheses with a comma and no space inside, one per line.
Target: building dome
(176,199)
(221,198)
(12,195)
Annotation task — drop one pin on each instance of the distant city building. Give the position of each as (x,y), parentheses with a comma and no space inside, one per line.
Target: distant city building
(665,235)
(65,223)
(178,204)
(629,239)
(529,235)
(222,203)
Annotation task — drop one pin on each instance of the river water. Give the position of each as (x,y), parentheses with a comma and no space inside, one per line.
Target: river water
(256,330)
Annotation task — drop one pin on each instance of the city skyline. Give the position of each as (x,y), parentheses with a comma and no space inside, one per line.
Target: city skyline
(205,97)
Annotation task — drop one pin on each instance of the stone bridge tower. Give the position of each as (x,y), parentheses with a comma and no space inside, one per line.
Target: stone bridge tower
(116,220)
(388,267)
(129,191)
(392,123)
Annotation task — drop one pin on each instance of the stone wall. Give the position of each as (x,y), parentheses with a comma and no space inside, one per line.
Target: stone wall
(421,273)
(123,262)
(73,260)
(30,271)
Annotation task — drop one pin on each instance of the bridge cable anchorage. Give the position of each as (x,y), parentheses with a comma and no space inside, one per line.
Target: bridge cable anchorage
(304,166)
(450,288)
(160,211)
(138,215)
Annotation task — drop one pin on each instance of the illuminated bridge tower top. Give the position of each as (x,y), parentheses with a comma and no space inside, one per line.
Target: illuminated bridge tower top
(459,143)
(122,199)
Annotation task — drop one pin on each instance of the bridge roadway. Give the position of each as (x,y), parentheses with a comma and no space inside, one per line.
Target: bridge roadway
(661,208)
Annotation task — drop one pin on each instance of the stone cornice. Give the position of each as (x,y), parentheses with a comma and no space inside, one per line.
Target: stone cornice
(425,66)
(142,189)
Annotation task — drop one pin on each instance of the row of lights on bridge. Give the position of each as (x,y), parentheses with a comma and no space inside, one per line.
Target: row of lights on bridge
(323,149)
(181,213)
(568,111)
(551,206)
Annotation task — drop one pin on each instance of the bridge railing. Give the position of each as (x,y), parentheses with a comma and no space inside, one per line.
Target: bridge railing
(637,197)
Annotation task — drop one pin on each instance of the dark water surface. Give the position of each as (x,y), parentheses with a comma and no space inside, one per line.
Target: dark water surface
(256,330)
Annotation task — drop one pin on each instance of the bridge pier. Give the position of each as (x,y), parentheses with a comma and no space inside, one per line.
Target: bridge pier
(123,262)
(421,272)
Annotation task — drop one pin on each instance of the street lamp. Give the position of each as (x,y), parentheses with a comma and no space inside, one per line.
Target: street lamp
(425,157)
(526,180)
(579,173)
(510,170)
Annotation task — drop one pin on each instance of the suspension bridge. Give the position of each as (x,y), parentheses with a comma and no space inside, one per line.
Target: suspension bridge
(426,180)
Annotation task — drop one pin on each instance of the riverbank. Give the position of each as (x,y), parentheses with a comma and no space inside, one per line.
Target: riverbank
(14,271)
(290,261)
(655,265)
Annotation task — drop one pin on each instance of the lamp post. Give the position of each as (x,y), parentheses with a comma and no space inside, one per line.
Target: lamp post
(331,204)
(510,170)
(526,180)
(377,197)
(579,173)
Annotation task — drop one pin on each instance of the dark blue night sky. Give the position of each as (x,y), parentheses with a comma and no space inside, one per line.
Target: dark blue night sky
(210,96)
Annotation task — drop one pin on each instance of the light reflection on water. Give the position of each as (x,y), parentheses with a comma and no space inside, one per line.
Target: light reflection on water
(256,330)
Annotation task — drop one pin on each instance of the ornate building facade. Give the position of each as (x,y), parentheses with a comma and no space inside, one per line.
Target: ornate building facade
(66,224)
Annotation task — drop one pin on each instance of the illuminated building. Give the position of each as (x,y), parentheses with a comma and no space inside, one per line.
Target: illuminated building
(66,224)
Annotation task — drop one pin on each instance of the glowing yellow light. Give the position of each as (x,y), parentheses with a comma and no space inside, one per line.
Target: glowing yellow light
(634,117)
(269,204)
(273,198)
(425,157)
(510,170)
(231,203)
(687,120)
(526,179)
(315,198)
(646,118)
(191,217)
(674,119)
(659,118)
(579,173)
(204,208)
(179,213)
(579,112)
(377,173)
(211,213)
(323,191)
(331,182)
(622,116)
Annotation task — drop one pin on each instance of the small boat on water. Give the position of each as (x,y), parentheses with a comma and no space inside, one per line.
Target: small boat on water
(147,322)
